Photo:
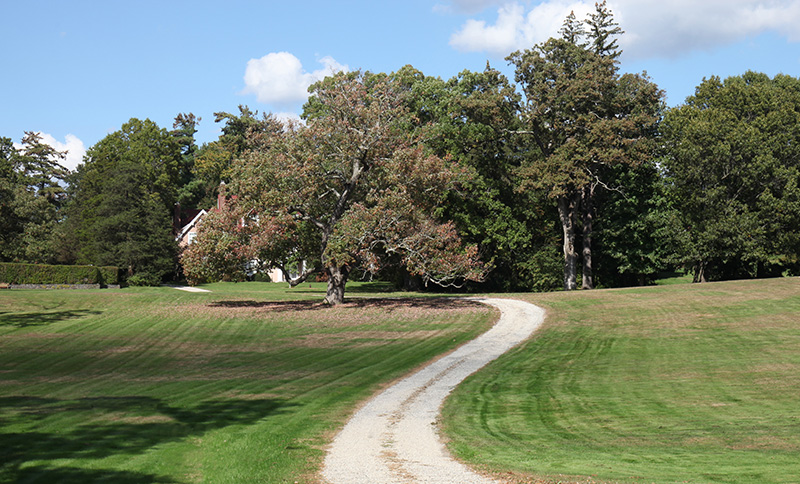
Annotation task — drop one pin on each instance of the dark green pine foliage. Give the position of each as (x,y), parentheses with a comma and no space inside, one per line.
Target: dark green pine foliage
(10,221)
(191,190)
(123,197)
(31,199)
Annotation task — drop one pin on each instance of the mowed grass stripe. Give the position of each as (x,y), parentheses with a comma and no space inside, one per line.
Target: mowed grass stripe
(153,385)
(672,384)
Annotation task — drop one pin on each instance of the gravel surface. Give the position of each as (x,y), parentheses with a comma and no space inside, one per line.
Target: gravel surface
(190,289)
(394,437)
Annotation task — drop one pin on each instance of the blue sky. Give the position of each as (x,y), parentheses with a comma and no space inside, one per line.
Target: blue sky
(77,70)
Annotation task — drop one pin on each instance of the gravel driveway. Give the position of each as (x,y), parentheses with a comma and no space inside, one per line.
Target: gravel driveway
(394,437)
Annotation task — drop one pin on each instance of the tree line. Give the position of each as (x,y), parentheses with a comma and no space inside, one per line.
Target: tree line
(573,175)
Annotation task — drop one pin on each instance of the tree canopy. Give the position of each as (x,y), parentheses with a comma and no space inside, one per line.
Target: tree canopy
(580,118)
(122,201)
(32,197)
(571,174)
(352,188)
(732,165)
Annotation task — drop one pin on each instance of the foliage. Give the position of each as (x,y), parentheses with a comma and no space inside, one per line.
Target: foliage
(21,273)
(123,197)
(351,188)
(31,199)
(580,118)
(212,162)
(733,168)
(634,223)
(190,190)
(10,220)
(471,119)
(144,279)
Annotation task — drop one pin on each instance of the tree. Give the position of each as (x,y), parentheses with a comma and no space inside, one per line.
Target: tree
(733,169)
(123,197)
(472,118)
(32,198)
(351,188)
(603,31)
(581,118)
(190,190)
(10,221)
(212,162)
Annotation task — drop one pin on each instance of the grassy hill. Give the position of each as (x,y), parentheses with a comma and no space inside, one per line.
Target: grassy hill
(682,383)
(243,384)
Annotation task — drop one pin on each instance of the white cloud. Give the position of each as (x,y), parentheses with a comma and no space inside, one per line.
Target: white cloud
(514,29)
(466,6)
(278,78)
(72,145)
(667,28)
(287,117)
(673,28)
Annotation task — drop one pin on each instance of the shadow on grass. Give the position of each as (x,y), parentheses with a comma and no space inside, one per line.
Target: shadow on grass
(364,287)
(112,426)
(385,304)
(71,475)
(24,320)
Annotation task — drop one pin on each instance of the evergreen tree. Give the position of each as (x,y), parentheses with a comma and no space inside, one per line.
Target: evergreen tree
(580,118)
(123,197)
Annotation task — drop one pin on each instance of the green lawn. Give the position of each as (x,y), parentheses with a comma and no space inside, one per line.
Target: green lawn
(681,383)
(244,384)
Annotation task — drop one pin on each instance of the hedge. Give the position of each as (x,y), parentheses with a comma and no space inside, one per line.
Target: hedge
(17,273)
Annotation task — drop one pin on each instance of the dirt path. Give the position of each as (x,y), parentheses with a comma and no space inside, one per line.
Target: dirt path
(394,438)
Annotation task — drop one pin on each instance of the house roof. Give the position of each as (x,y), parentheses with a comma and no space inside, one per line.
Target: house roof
(185,229)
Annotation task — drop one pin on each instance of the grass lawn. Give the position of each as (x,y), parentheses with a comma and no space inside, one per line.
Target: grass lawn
(680,383)
(243,384)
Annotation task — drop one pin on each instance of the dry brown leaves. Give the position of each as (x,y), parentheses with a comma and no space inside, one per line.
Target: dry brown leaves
(352,313)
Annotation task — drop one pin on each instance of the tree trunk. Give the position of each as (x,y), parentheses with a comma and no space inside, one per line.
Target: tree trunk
(587,281)
(337,278)
(700,272)
(567,213)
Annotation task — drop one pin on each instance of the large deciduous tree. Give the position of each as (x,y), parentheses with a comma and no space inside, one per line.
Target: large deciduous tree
(351,188)
(474,116)
(733,169)
(580,118)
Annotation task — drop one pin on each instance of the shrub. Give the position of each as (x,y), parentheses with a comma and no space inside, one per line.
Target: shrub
(18,273)
(109,275)
(144,279)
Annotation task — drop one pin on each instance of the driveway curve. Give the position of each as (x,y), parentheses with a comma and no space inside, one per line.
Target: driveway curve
(394,438)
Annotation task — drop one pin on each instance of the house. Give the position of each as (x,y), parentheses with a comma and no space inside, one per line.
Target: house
(185,223)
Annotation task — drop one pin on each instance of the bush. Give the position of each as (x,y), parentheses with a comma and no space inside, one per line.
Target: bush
(18,273)
(109,275)
(144,279)
(261,277)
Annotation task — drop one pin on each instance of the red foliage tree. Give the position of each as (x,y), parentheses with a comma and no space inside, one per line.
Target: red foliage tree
(353,187)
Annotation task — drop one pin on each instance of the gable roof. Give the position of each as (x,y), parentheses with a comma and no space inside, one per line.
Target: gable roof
(189,226)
